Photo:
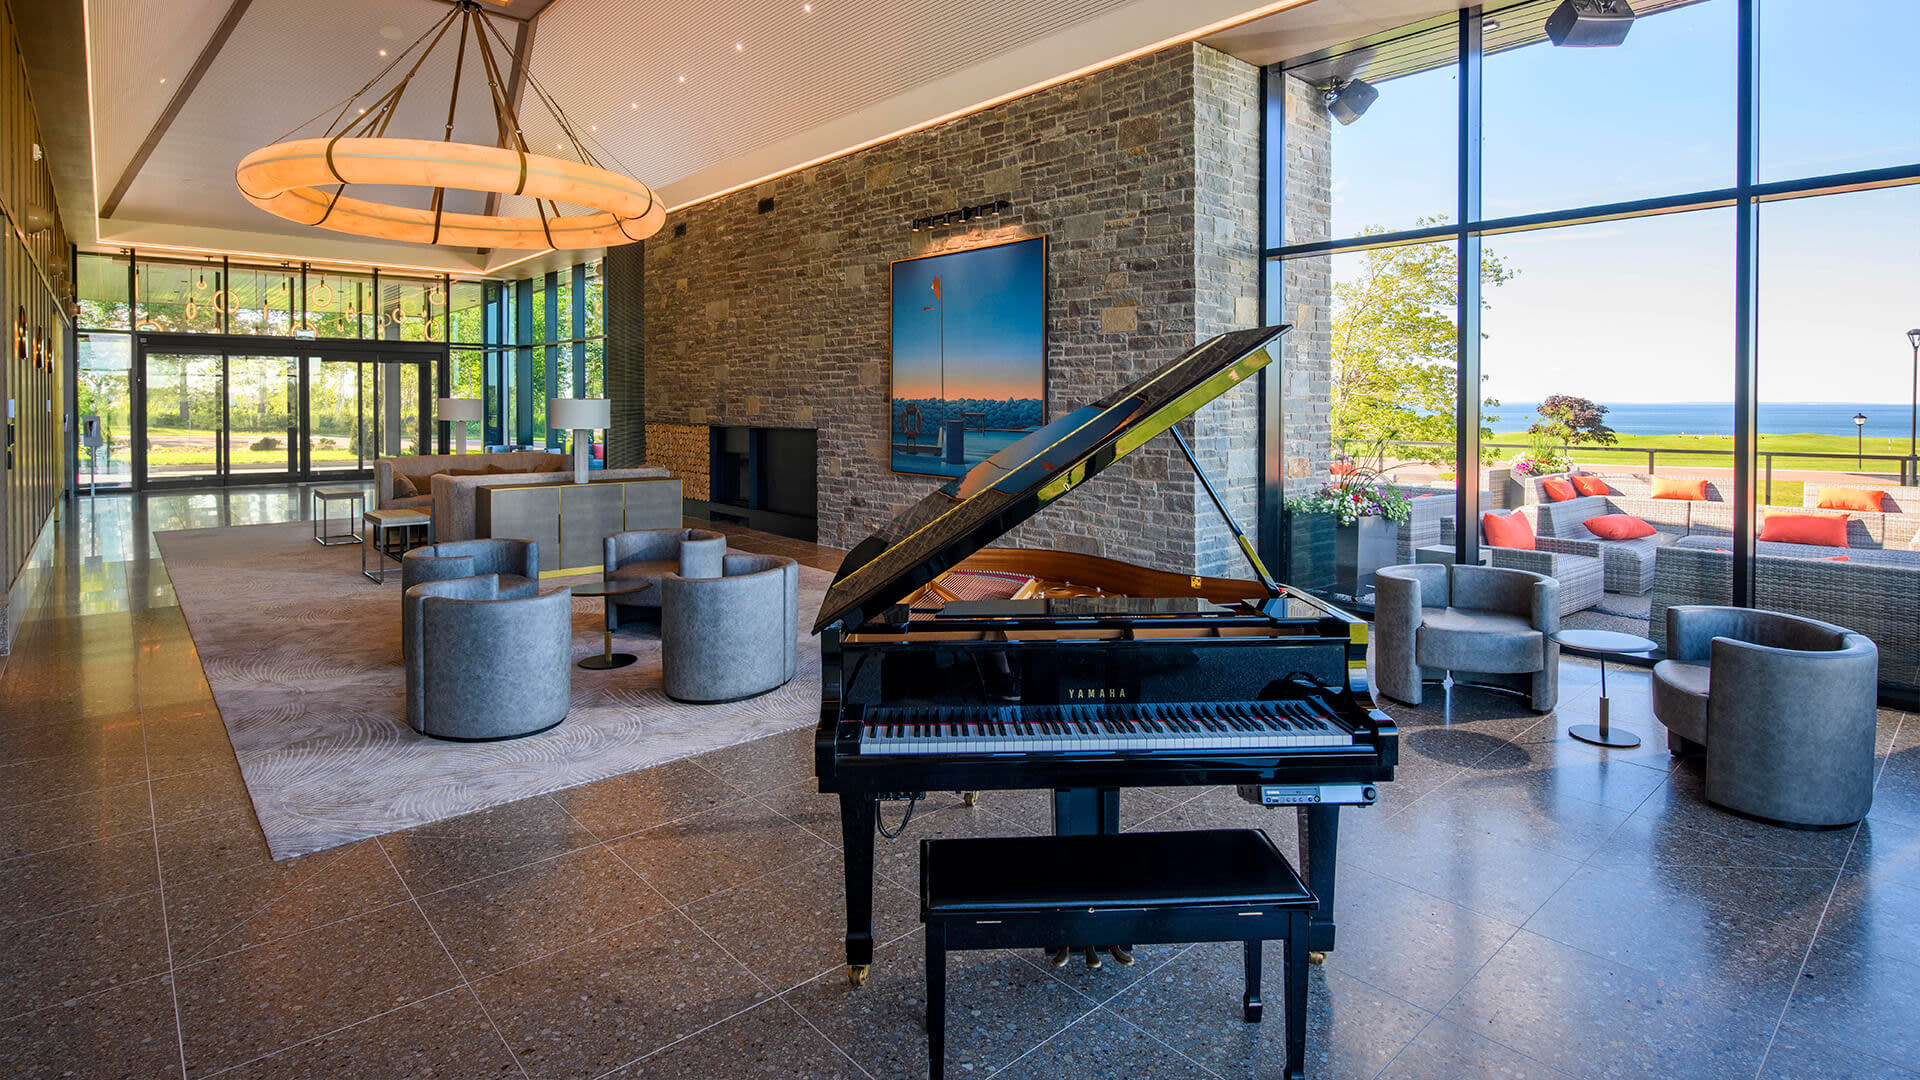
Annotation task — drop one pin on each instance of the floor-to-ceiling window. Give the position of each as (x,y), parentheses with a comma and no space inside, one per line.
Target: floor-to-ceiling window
(1689,257)
(541,338)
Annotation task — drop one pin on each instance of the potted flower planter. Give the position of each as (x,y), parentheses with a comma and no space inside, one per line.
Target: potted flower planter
(1360,549)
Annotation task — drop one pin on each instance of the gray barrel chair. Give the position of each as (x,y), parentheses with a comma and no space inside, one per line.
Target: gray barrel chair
(649,555)
(1784,707)
(486,663)
(733,635)
(1486,625)
(515,562)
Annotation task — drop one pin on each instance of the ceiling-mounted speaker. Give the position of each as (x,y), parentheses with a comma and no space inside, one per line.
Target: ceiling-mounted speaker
(1348,101)
(1590,24)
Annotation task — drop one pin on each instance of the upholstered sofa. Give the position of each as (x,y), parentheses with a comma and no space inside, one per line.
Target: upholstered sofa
(421,468)
(1876,593)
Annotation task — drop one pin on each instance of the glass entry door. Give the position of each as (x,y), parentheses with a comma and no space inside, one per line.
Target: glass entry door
(263,421)
(338,423)
(186,430)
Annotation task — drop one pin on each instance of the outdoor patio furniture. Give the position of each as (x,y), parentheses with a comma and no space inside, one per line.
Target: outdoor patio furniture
(1485,625)
(1629,563)
(651,554)
(1575,564)
(1784,708)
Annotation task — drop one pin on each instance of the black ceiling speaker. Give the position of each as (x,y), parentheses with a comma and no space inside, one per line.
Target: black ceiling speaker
(1350,99)
(1590,23)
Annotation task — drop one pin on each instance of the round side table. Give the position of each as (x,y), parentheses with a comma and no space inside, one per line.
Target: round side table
(608,587)
(1601,644)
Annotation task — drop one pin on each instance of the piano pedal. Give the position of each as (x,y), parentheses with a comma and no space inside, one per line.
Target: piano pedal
(1120,955)
(1093,957)
(1058,957)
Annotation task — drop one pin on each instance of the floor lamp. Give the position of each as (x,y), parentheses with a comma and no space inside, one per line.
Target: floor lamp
(457,411)
(580,416)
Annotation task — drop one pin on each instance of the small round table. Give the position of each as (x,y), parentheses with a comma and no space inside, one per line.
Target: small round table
(1601,644)
(606,587)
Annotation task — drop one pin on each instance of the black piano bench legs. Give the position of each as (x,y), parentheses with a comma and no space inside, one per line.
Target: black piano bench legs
(1022,892)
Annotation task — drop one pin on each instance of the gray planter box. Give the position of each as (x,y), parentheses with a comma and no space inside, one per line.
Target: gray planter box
(1359,550)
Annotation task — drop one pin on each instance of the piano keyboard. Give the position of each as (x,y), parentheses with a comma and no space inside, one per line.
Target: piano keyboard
(1038,729)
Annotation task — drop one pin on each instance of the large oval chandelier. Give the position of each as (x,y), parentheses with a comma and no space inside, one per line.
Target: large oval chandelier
(305,180)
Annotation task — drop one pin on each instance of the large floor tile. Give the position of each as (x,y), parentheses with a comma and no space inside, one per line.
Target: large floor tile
(502,920)
(210,916)
(607,1001)
(458,850)
(803,804)
(70,774)
(1444,1051)
(125,1033)
(1193,1005)
(77,875)
(1593,1017)
(772,1042)
(199,793)
(1861,998)
(1417,947)
(790,925)
(243,1005)
(217,843)
(999,1006)
(718,849)
(764,764)
(641,800)
(1103,1046)
(445,1037)
(52,959)
(1482,873)
(1796,1056)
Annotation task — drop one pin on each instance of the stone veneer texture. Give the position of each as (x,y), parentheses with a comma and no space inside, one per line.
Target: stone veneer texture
(1144,180)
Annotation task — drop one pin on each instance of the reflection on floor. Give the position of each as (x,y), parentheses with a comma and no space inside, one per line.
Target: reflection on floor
(1520,905)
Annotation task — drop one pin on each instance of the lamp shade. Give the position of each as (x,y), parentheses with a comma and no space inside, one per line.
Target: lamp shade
(459,409)
(573,414)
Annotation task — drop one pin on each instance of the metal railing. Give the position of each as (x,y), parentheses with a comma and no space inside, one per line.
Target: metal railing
(1907,465)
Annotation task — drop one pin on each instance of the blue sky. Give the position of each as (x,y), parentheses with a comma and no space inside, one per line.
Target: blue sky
(1642,310)
(995,323)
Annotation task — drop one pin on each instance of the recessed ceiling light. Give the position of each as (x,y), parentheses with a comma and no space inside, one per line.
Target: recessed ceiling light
(593,127)
(1490,24)
(683,78)
(163,82)
(383,52)
(635,105)
(739,46)
(808,8)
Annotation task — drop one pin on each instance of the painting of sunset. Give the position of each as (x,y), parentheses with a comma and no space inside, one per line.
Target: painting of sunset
(969,355)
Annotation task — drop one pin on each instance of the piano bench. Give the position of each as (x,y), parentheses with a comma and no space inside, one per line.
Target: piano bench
(1113,889)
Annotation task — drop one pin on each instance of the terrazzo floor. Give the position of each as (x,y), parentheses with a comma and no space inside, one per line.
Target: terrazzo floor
(1518,905)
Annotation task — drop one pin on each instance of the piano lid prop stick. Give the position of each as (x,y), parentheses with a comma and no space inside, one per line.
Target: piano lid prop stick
(1246,545)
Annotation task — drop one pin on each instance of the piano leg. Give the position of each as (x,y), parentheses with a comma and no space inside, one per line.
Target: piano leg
(1319,847)
(1086,811)
(856,838)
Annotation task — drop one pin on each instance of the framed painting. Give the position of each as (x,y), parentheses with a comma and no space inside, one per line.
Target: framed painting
(969,374)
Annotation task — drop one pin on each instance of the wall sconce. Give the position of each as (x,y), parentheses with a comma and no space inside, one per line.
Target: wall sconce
(962,216)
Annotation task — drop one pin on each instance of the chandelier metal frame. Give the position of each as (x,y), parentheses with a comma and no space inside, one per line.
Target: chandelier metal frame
(289,177)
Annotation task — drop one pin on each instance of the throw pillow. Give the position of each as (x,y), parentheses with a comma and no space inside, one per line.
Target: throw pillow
(1833,558)
(1690,490)
(1507,530)
(1590,485)
(403,486)
(1865,500)
(1822,530)
(497,470)
(1557,490)
(1619,527)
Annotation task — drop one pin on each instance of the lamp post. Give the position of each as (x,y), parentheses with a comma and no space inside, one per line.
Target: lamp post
(1859,437)
(1913,417)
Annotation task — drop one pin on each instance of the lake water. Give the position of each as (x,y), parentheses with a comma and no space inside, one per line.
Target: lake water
(1716,418)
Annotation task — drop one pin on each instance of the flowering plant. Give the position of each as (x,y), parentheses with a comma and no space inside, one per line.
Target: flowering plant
(1535,463)
(1353,497)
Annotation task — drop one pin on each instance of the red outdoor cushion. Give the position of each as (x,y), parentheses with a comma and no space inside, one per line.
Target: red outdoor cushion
(1690,490)
(1833,558)
(1823,530)
(1589,485)
(1557,490)
(1618,527)
(1507,530)
(1865,500)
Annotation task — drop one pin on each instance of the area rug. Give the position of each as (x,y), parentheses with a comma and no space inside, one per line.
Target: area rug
(303,656)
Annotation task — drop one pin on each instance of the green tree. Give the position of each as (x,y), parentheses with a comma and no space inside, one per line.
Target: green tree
(1571,420)
(1395,369)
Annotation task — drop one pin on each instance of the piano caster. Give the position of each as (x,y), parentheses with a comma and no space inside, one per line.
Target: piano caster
(1316,958)
(1121,956)
(857,974)
(971,798)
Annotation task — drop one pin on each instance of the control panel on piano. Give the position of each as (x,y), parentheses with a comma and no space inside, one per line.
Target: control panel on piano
(1294,723)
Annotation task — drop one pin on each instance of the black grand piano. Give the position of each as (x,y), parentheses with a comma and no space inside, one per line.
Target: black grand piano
(950,665)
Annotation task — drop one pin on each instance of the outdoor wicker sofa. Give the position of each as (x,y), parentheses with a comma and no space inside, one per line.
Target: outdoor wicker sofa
(1875,592)
(1575,564)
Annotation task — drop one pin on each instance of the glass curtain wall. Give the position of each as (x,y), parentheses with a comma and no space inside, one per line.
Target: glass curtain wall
(543,337)
(1619,324)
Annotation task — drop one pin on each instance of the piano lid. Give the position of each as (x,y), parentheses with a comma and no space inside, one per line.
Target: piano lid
(972,511)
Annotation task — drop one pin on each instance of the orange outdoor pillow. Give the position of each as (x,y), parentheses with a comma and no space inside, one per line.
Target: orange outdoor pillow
(1823,530)
(1557,490)
(1833,558)
(1690,490)
(1619,527)
(1507,531)
(1589,485)
(1861,499)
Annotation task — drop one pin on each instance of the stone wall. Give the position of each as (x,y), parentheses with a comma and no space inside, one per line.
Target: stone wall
(1142,178)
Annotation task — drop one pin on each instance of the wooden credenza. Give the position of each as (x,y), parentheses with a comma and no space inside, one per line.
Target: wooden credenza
(570,521)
